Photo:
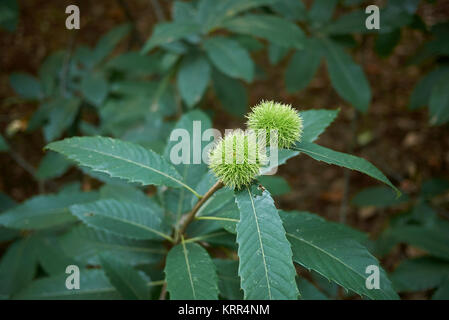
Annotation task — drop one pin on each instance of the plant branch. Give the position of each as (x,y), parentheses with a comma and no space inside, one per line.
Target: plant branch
(207,236)
(185,223)
(191,215)
(216,218)
(163,291)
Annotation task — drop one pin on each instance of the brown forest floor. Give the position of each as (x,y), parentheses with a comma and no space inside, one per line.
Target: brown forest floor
(403,144)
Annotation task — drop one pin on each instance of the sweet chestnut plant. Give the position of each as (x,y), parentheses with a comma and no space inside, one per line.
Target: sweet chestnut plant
(204,231)
(153,228)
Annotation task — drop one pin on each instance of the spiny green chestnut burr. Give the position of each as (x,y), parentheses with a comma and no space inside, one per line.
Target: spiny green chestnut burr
(236,159)
(270,115)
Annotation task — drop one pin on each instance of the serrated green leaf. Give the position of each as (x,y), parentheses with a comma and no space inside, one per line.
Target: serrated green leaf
(315,122)
(120,159)
(85,244)
(274,29)
(331,252)
(131,194)
(122,218)
(419,274)
(26,85)
(302,66)
(105,178)
(193,78)
(94,285)
(229,57)
(131,284)
(168,32)
(44,211)
(320,153)
(347,77)
(329,288)
(265,268)
(190,273)
(343,229)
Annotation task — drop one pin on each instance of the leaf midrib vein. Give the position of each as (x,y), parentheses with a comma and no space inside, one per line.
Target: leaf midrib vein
(135,163)
(189,272)
(261,244)
(325,252)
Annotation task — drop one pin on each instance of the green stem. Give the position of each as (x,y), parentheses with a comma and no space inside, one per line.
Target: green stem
(156,283)
(178,237)
(208,236)
(193,191)
(216,218)
(191,216)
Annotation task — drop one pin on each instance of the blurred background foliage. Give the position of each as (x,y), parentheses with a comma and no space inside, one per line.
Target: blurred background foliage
(136,66)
